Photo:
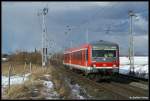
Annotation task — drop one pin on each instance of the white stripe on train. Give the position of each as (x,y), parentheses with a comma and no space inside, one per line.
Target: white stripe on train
(85,68)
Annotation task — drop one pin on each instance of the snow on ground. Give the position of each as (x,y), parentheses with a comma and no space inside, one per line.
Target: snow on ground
(76,89)
(49,90)
(48,84)
(77,92)
(14,80)
(140,64)
(137,59)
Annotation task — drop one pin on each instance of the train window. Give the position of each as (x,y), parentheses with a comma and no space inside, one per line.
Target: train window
(103,53)
(64,57)
(80,55)
(76,55)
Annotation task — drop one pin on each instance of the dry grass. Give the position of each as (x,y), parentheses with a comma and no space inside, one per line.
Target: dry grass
(23,91)
(60,84)
(39,72)
(18,68)
(18,91)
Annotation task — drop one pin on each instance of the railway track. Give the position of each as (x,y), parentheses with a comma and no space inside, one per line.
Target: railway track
(132,78)
(112,90)
(89,85)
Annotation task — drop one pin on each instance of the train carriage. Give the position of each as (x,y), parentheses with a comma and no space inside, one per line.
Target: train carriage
(93,57)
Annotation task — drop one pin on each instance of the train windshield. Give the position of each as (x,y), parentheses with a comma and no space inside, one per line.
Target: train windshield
(104,53)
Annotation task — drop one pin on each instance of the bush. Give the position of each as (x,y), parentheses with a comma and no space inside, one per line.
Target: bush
(57,58)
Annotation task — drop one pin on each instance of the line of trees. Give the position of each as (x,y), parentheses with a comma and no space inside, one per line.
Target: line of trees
(22,57)
(34,57)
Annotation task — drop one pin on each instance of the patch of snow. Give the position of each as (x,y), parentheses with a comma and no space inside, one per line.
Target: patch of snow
(124,69)
(76,91)
(26,75)
(14,80)
(46,75)
(137,60)
(124,60)
(140,65)
(4,59)
(48,84)
(50,93)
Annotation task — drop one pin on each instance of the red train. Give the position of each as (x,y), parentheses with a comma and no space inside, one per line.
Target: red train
(93,57)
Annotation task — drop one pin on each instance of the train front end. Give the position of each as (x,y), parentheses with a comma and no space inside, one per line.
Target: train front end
(105,56)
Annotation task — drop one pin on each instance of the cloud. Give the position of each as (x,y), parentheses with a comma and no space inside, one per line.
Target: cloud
(140,24)
(141,44)
(21,27)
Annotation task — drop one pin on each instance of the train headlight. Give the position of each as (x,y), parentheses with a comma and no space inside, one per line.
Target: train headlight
(114,65)
(104,64)
(94,65)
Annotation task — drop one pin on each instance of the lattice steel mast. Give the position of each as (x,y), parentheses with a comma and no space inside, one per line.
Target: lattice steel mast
(44,37)
(131,46)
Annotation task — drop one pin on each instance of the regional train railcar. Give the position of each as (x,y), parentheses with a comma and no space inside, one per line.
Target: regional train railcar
(93,57)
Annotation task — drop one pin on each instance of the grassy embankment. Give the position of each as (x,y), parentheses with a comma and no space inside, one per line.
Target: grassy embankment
(25,91)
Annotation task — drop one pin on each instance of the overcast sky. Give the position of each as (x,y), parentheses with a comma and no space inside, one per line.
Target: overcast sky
(21,27)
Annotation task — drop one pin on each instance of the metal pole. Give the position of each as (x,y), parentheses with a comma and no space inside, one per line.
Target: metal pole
(44,47)
(30,68)
(70,47)
(87,37)
(44,38)
(9,75)
(42,41)
(24,71)
(71,43)
(131,50)
(130,54)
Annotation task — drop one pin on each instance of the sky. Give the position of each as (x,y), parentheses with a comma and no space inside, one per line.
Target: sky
(70,21)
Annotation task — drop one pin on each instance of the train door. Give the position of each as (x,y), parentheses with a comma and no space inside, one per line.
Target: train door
(83,57)
(86,57)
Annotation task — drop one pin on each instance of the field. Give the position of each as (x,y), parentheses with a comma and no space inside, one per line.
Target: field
(140,65)
(42,83)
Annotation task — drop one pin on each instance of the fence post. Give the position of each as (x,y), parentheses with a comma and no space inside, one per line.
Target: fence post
(32,89)
(30,67)
(9,74)
(24,71)
(13,69)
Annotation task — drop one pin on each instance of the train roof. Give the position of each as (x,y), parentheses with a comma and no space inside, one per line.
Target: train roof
(104,43)
(77,48)
(94,43)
